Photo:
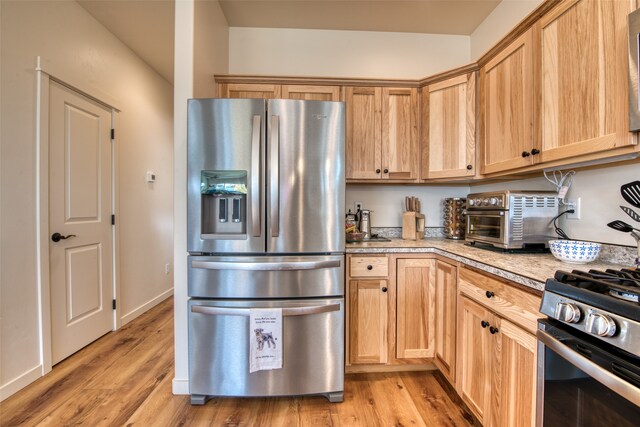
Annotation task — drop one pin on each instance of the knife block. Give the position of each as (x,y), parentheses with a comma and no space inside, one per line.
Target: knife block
(412,226)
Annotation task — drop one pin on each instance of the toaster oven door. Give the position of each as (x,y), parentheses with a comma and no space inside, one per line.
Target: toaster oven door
(487,227)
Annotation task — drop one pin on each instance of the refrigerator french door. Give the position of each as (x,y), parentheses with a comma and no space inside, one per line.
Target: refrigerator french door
(266,190)
(265,176)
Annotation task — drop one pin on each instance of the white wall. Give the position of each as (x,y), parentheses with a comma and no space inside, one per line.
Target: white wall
(499,22)
(192,65)
(77,49)
(387,201)
(599,191)
(329,53)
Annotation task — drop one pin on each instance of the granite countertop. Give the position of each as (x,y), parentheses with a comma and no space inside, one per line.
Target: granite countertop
(531,270)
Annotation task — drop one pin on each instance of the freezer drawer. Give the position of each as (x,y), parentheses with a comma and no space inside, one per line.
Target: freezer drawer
(266,276)
(312,340)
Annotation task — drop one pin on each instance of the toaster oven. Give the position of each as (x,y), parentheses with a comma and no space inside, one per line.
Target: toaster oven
(511,219)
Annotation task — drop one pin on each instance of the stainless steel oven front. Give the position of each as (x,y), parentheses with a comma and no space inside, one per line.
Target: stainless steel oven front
(487,227)
(583,382)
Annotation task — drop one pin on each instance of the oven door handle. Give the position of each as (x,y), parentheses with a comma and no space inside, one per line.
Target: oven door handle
(266,266)
(601,375)
(293,311)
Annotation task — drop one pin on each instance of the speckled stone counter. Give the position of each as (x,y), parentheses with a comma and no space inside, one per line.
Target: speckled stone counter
(531,270)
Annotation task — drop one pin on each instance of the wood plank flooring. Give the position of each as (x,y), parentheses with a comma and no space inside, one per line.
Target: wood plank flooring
(125,377)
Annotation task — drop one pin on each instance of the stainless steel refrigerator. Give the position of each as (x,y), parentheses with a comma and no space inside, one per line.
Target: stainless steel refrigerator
(266,190)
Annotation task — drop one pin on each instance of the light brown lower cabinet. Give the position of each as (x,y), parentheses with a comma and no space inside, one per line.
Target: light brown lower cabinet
(446,313)
(368,308)
(497,357)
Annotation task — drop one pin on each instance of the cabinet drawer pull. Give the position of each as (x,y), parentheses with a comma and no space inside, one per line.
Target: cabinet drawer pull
(493,330)
(369,267)
(384,289)
(484,323)
(490,294)
(526,154)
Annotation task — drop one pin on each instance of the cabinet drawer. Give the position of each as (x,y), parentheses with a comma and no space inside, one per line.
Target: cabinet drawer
(507,301)
(369,266)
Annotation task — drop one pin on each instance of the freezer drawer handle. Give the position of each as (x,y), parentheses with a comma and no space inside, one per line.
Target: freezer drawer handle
(255,178)
(265,266)
(295,311)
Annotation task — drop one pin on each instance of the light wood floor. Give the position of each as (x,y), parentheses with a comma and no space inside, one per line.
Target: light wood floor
(125,378)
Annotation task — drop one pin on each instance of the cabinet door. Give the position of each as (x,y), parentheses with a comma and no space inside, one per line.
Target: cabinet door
(399,133)
(368,309)
(507,107)
(449,131)
(363,106)
(583,79)
(475,347)
(311,93)
(415,309)
(249,90)
(514,383)
(446,292)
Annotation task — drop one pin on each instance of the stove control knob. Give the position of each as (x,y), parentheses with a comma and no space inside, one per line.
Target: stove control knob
(472,202)
(485,202)
(567,312)
(601,325)
(493,201)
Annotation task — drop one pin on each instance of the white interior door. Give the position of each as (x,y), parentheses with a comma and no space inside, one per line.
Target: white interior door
(79,209)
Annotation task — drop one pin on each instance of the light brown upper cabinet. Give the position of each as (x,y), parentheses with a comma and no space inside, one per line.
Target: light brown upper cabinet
(249,90)
(449,128)
(311,93)
(382,133)
(506,107)
(582,88)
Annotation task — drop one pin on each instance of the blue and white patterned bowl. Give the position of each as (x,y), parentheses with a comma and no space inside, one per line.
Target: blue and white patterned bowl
(574,251)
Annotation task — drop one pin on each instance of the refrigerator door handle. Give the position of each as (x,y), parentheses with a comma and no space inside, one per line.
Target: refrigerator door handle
(293,311)
(274,179)
(255,178)
(266,266)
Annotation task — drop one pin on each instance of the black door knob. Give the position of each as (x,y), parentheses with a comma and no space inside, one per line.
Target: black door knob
(386,171)
(56,237)
(489,294)
(526,154)
(384,289)
(377,170)
(484,323)
(469,167)
(493,330)
(535,151)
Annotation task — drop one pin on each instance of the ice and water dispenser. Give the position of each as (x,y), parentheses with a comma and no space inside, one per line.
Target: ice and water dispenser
(224,204)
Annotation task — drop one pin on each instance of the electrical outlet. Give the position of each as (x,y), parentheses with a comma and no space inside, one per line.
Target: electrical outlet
(167,268)
(357,206)
(575,205)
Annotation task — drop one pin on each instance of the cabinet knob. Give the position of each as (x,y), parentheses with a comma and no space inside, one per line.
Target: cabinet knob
(490,294)
(386,170)
(484,323)
(369,267)
(469,167)
(535,151)
(377,170)
(526,154)
(384,289)
(493,330)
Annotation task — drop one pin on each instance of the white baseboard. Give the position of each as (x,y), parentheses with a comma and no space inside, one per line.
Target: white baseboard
(179,386)
(144,307)
(20,382)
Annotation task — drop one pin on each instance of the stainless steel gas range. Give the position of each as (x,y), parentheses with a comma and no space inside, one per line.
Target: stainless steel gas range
(589,349)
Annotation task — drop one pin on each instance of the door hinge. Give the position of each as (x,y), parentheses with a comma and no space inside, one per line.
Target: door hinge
(113,220)
(113,304)
(113,134)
